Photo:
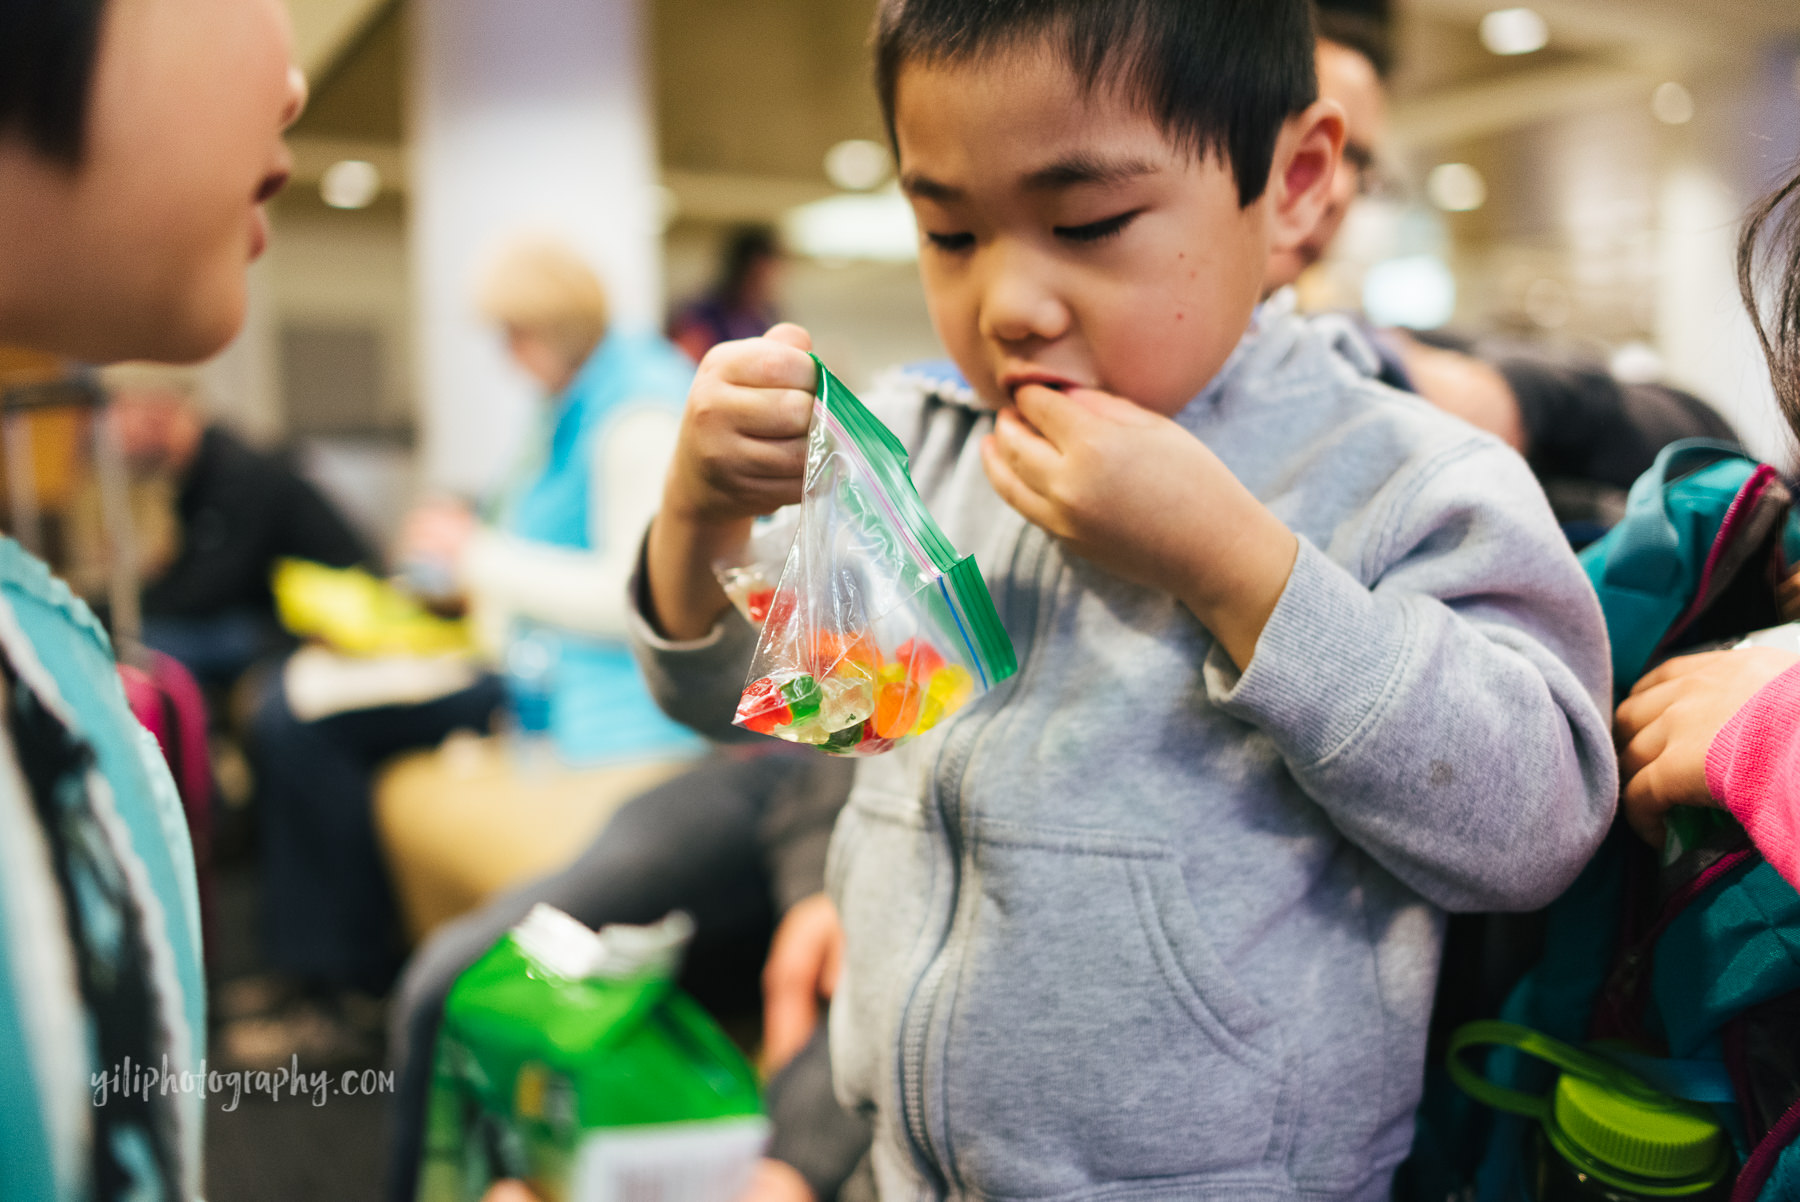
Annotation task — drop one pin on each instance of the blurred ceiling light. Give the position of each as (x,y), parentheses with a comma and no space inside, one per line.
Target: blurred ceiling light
(856,165)
(1456,188)
(848,226)
(1672,104)
(1514,31)
(1417,292)
(1637,363)
(350,184)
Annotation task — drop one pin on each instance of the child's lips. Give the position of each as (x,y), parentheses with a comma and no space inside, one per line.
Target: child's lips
(1012,381)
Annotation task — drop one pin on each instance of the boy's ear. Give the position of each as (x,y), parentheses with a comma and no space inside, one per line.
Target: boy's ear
(1307,155)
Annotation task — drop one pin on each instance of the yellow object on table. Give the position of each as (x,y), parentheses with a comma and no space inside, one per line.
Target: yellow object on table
(361,614)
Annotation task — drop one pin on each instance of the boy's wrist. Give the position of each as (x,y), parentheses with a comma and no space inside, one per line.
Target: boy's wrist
(1236,591)
(684,593)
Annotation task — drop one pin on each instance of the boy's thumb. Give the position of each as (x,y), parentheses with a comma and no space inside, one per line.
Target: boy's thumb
(791,334)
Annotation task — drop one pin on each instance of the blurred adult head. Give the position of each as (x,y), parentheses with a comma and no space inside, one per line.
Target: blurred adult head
(550,305)
(1769,263)
(751,269)
(1352,58)
(138,142)
(155,413)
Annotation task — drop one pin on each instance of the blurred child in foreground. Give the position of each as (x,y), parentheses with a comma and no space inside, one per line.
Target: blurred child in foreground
(138,142)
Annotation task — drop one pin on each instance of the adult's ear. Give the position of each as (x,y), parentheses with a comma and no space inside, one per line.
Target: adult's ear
(1307,155)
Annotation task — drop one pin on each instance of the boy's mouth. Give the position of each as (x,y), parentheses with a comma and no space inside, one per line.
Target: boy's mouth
(1012,381)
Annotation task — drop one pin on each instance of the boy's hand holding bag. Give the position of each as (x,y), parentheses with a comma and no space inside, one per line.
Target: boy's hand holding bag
(873,629)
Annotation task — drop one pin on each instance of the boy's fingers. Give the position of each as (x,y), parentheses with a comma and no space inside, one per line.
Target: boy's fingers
(762,412)
(1026,451)
(793,335)
(763,363)
(1050,413)
(770,458)
(1011,489)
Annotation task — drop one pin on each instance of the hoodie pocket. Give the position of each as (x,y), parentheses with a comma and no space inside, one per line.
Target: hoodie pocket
(1092,1034)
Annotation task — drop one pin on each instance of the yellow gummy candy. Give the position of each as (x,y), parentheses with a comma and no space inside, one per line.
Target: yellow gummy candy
(950,689)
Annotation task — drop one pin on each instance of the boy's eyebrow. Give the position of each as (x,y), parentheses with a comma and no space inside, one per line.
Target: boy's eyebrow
(1082,167)
(1066,172)
(926,188)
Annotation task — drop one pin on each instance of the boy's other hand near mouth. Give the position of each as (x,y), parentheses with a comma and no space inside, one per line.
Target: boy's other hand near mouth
(1134,493)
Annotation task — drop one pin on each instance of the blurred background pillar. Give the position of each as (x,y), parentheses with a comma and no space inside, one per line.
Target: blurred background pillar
(528,116)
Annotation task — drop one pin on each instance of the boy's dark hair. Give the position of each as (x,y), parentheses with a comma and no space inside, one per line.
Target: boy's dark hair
(1219,76)
(1363,32)
(1770,245)
(47,50)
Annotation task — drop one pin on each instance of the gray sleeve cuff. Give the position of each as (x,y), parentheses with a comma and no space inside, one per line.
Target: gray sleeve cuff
(696,682)
(1325,666)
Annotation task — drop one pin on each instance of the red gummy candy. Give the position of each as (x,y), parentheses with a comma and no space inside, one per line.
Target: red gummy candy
(759,604)
(921,659)
(762,708)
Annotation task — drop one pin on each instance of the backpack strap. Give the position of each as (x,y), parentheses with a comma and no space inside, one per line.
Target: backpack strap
(1645,554)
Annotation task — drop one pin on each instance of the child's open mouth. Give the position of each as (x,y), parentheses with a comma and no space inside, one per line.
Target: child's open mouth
(1013,381)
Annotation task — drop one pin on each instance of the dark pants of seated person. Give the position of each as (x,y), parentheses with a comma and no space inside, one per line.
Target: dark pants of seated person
(328,908)
(697,843)
(220,647)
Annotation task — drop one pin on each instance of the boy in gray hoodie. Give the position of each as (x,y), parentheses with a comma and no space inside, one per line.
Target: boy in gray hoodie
(1304,664)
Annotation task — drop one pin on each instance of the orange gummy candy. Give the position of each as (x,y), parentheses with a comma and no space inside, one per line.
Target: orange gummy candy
(897,700)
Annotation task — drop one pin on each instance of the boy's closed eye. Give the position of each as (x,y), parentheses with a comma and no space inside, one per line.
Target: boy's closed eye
(1097,231)
(1085,234)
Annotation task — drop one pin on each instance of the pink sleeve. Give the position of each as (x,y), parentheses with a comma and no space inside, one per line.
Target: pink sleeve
(1753,770)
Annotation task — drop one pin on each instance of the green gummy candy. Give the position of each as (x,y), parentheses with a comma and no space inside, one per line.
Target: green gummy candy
(843,740)
(804,697)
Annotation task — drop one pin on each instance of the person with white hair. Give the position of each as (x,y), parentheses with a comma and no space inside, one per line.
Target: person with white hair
(542,569)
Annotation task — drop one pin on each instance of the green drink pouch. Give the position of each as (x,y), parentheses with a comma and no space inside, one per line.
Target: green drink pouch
(569,1060)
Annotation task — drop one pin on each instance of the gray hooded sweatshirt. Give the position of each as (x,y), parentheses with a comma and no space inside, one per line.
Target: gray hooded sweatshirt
(1137,926)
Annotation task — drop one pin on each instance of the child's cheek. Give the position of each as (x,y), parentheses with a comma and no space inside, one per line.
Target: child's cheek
(1157,357)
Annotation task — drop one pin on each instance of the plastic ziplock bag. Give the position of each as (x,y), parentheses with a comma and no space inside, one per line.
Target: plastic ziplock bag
(873,629)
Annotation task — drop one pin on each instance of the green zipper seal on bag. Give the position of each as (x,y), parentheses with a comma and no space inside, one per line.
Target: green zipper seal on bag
(888,462)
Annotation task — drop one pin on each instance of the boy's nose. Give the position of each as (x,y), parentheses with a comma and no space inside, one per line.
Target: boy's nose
(1019,307)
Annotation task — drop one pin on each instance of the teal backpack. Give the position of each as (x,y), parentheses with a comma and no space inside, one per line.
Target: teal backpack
(1691,959)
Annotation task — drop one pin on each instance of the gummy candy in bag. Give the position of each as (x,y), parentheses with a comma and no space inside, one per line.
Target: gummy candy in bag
(873,629)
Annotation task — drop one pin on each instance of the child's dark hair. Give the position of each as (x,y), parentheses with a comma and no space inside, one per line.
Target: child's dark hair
(1369,36)
(1219,76)
(1770,246)
(47,50)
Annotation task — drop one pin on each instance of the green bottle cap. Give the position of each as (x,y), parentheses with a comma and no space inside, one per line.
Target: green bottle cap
(1637,1132)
